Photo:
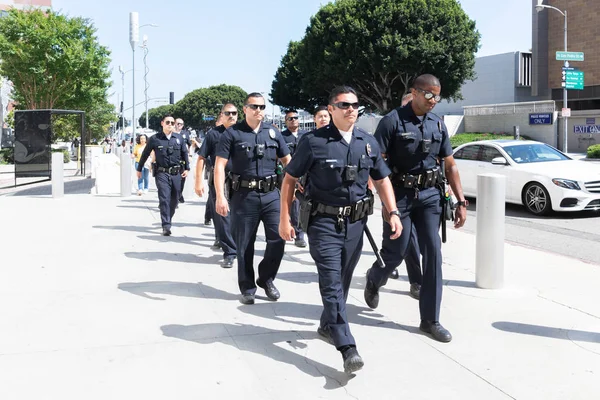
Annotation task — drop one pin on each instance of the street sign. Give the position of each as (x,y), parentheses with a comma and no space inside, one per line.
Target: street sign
(569,55)
(574,79)
(540,119)
(208,118)
(566,112)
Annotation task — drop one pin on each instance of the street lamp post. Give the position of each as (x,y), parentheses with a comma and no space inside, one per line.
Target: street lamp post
(540,7)
(134,37)
(146,70)
(123,96)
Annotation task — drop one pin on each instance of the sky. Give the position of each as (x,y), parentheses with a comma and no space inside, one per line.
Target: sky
(200,43)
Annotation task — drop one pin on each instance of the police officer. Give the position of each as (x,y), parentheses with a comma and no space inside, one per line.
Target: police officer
(172,164)
(339,159)
(185,134)
(228,116)
(413,139)
(292,136)
(253,147)
(321,117)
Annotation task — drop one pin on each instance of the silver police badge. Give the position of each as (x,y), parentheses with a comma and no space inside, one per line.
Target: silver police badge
(368,149)
(272,133)
(177,140)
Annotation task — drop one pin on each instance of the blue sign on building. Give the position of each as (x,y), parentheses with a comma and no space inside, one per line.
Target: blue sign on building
(540,119)
(586,129)
(590,121)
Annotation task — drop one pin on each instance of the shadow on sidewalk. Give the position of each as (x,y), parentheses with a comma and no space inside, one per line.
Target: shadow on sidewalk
(548,331)
(186,258)
(181,289)
(269,343)
(129,228)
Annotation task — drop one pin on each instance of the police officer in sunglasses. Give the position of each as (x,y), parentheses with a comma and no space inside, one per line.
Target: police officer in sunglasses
(292,135)
(254,147)
(172,164)
(414,140)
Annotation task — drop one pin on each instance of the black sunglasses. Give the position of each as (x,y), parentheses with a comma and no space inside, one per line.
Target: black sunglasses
(291,118)
(344,105)
(169,122)
(228,113)
(257,106)
(428,95)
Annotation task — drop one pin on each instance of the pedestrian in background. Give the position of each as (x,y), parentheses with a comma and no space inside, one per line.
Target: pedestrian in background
(137,154)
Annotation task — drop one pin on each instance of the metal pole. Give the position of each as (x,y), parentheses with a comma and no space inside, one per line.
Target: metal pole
(123,110)
(145,47)
(565,119)
(133,124)
(134,34)
(489,247)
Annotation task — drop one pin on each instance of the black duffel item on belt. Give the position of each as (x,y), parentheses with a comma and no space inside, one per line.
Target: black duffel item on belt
(427,179)
(174,170)
(355,212)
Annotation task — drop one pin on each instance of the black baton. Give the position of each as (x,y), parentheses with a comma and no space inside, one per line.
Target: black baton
(374,247)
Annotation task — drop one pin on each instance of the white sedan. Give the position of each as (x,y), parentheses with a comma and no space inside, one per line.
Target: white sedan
(537,175)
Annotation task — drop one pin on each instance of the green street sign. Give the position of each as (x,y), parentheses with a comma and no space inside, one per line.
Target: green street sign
(569,56)
(574,80)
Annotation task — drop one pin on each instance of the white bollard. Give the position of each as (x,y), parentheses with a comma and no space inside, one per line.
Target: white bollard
(58,175)
(489,258)
(125,175)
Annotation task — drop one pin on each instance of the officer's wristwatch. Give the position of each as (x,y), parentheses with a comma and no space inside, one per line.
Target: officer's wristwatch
(395,212)
(463,203)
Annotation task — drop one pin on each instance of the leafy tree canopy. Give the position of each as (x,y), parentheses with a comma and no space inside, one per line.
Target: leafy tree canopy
(379,47)
(155,116)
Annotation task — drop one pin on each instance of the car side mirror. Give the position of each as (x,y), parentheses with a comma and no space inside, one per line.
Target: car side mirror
(499,161)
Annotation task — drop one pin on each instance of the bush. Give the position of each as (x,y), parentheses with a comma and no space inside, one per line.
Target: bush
(7,156)
(462,138)
(593,151)
(66,154)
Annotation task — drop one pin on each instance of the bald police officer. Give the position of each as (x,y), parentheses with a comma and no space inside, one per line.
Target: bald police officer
(339,159)
(254,148)
(414,140)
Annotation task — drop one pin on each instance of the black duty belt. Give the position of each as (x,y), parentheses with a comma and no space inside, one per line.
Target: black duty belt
(264,185)
(171,170)
(355,212)
(425,180)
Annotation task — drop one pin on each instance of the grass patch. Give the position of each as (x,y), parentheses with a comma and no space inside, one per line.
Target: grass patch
(462,138)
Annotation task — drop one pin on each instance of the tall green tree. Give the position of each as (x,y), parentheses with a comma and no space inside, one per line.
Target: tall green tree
(201,104)
(54,62)
(379,47)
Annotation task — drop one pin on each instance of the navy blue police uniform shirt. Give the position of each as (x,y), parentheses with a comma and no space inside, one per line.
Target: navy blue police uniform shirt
(291,140)
(210,144)
(169,152)
(400,134)
(239,144)
(325,155)
(187,138)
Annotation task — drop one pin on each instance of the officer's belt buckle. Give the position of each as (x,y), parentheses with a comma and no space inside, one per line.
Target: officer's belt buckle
(345,211)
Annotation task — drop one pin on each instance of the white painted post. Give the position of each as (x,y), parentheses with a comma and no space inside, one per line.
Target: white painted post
(58,175)
(489,258)
(125,175)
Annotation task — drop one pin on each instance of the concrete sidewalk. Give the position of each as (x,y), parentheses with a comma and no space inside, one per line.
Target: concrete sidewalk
(95,304)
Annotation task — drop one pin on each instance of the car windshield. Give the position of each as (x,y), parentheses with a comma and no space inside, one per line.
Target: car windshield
(533,153)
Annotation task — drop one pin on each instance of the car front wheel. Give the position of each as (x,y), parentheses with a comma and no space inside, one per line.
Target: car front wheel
(537,199)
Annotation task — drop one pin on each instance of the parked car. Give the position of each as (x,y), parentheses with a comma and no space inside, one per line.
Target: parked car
(538,176)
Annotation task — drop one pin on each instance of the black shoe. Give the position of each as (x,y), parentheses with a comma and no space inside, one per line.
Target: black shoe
(371,294)
(395,274)
(216,245)
(300,243)
(166,232)
(415,291)
(270,290)
(247,299)
(325,334)
(207,222)
(181,199)
(227,262)
(352,360)
(437,331)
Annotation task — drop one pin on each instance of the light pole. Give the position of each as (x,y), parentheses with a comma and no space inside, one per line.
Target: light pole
(134,37)
(540,7)
(146,70)
(123,96)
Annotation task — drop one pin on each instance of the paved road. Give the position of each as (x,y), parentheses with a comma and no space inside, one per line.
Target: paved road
(571,234)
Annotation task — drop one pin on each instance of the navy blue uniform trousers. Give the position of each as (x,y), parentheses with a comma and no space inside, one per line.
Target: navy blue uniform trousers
(222,226)
(209,208)
(424,214)
(169,189)
(295,219)
(412,259)
(248,209)
(336,253)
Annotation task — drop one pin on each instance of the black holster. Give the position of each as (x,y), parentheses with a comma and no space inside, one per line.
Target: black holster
(154,169)
(306,210)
